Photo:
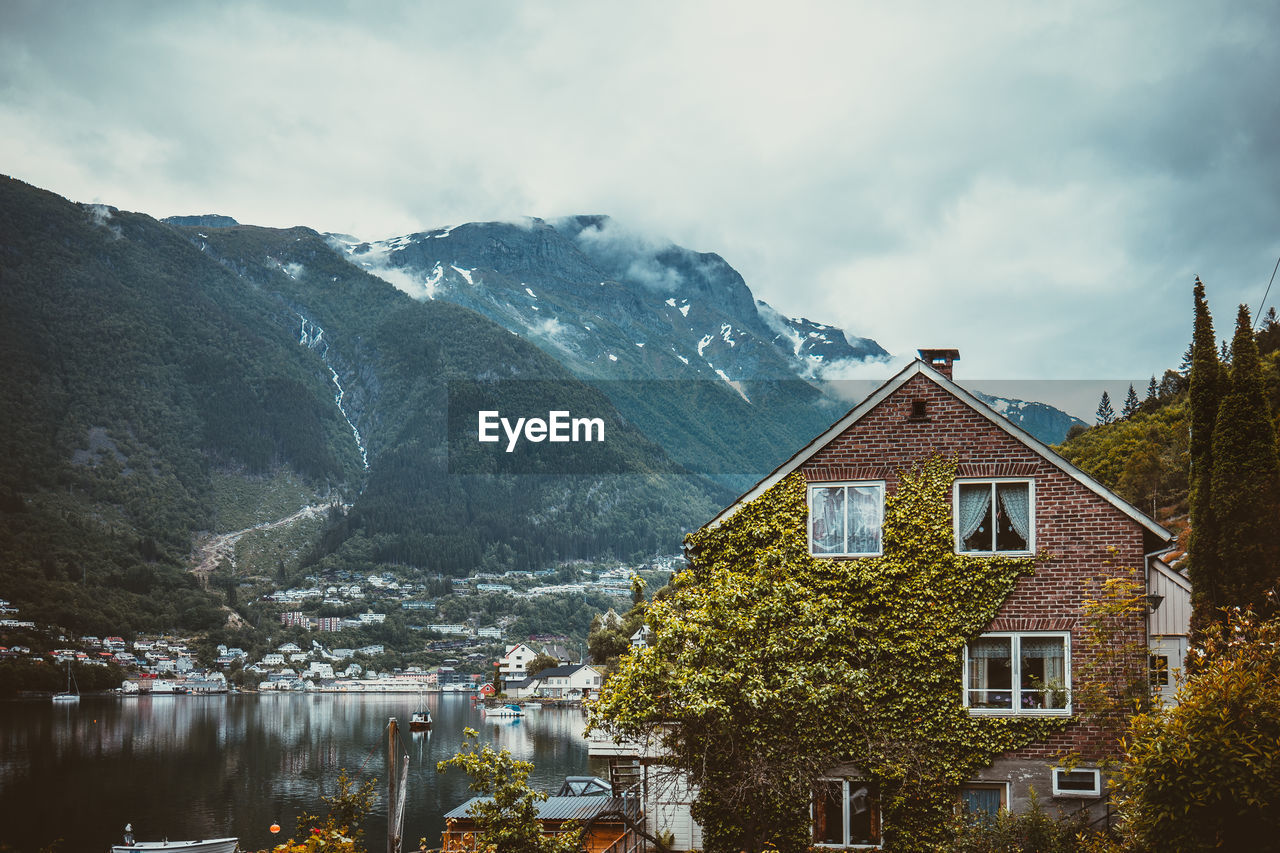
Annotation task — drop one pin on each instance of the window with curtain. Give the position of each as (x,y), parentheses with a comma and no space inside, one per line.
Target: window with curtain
(846,813)
(846,519)
(993,516)
(1018,673)
(983,799)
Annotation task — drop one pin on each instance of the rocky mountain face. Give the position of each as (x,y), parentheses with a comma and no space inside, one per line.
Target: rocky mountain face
(610,304)
(1045,422)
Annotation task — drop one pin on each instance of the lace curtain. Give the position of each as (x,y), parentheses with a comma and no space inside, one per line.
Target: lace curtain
(864,519)
(828,520)
(1049,653)
(983,654)
(1016,501)
(975,501)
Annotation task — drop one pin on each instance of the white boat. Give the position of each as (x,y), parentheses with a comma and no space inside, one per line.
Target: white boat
(504,711)
(212,845)
(72,693)
(420,721)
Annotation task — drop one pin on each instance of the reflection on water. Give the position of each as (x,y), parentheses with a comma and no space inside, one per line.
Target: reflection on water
(209,766)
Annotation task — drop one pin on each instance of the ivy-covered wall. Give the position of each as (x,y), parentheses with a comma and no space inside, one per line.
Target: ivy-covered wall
(776,666)
(770,668)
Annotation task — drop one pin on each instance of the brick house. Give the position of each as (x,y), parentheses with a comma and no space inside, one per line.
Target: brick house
(1013,496)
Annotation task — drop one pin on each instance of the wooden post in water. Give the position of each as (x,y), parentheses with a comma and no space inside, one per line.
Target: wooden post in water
(396,773)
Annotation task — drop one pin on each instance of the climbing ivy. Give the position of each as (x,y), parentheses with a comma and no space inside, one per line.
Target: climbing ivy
(768,667)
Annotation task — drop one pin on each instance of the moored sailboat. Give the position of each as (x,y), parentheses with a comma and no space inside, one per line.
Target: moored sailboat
(72,693)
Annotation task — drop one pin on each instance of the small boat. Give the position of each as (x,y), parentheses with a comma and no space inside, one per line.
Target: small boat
(72,693)
(508,710)
(212,845)
(420,721)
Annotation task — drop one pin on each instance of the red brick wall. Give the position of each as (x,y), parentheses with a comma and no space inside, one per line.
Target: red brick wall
(1087,537)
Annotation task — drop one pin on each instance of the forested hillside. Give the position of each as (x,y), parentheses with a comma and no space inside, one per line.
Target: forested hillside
(1145,456)
(132,366)
(142,358)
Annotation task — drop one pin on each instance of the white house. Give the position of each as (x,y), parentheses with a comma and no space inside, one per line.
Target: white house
(319,669)
(569,681)
(515,663)
(273,659)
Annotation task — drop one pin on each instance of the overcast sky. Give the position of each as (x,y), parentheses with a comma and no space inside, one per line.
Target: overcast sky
(1035,184)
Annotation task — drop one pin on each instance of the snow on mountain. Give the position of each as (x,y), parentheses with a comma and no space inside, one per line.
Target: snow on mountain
(547,280)
(1045,422)
(612,304)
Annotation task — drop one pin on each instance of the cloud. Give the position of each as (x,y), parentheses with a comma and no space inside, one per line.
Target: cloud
(1036,185)
(630,255)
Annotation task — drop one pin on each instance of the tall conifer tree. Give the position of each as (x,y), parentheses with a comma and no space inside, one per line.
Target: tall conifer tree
(1205,395)
(1105,413)
(1130,403)
(1245,480)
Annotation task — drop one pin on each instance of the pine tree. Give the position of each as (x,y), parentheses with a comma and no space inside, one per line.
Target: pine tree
(1130,403)
(1268,337)
(1205,395)
(1245,481)
(1105,413)
(1153,391)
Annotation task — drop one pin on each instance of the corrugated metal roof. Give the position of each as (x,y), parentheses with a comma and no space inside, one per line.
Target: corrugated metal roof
(557,808)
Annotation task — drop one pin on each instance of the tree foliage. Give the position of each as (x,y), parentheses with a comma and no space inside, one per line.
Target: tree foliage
(1106,414)
(1131,403)
(1244,482)
(1205,396)
(1204,774)
(506,817)
(338,831)
(767,667)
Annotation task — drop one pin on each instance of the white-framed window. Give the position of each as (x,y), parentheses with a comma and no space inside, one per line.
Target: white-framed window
(846,813)
(1077,782)
(984,799)
(1027,673)
(1158,667)
(994,516)
(846,519)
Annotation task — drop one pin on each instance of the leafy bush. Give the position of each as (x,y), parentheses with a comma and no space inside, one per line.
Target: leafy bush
(1205,774)
(1032,831)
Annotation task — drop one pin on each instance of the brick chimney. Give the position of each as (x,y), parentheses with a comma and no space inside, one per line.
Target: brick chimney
(940,359)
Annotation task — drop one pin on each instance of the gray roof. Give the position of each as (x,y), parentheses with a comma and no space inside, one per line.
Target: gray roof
(557,808)
(560,671)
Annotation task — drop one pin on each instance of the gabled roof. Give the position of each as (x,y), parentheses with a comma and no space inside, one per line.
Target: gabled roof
(561,671)
(919,368)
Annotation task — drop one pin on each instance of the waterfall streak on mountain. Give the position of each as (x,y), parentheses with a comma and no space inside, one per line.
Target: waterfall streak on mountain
(311,336)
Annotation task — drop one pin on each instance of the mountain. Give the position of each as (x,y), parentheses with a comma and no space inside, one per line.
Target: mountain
(149,364)
(166,380)
(674,337)
(607,303)
(613,305)
(1045,422)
